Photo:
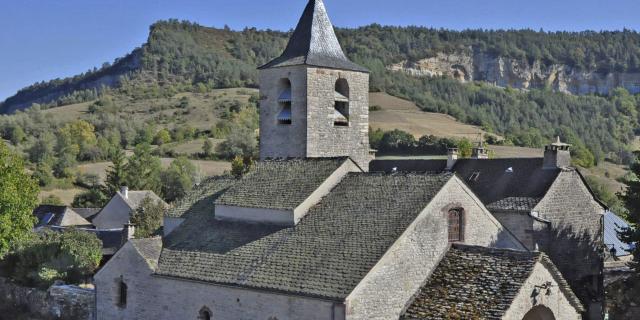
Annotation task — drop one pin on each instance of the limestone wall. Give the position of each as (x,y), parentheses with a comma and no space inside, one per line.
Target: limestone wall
(528,230)
(387,288)
(59,302)
(553,299)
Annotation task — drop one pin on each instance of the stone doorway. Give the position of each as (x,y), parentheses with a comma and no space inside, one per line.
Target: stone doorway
(539,313)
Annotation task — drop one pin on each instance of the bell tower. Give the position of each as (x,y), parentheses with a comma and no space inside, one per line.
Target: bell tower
(314,102)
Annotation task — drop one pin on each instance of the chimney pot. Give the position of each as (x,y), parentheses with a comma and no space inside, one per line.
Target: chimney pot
(557,155)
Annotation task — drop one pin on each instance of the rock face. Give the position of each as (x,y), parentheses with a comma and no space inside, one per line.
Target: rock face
(506,72)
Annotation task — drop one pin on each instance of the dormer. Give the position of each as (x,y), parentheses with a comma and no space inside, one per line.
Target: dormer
(280,192)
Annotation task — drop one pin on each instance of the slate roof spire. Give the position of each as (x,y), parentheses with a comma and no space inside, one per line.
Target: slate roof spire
(314,43)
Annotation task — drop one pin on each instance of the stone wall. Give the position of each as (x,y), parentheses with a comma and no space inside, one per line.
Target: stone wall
(392,282)
(575,243)
(152,297)
(312,132)
(553,299)
(527,229)
(59,302)
(505,72)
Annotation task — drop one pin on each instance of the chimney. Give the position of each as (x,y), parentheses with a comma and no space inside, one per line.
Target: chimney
(124,190)
(452,158)
(557,155)
(128,232)
(479,152)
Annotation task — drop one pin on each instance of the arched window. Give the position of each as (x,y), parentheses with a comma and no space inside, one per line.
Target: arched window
(205,314)
(456,225)
(122,293)
(341,99)
(284,102)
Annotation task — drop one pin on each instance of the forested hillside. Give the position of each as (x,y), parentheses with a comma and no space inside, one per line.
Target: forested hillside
(182,56)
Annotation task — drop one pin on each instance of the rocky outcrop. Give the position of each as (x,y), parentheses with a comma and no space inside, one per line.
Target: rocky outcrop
(505,72)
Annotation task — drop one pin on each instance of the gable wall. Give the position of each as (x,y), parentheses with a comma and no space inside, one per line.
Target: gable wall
(527,229)
(556,300)
(390,285)
(152,297)
(114,215)
(575,234)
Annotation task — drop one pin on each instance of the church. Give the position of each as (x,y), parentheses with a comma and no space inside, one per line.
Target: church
(319,229)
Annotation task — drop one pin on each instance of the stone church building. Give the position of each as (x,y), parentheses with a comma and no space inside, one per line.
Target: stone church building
(318,229)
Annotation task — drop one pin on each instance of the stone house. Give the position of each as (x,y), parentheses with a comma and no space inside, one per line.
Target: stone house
(311,233)
(117,212)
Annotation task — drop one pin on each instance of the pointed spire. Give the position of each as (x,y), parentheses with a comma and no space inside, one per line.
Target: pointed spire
(314,43)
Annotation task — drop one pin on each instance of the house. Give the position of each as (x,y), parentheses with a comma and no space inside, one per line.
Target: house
(312,233)
(117,213)
(58,216)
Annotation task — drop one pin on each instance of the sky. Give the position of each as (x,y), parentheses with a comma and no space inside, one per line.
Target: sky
(48,39)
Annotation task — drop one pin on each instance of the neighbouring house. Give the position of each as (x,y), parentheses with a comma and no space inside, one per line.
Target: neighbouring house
(312,233)
(117,213)
(619,253)
(59,216)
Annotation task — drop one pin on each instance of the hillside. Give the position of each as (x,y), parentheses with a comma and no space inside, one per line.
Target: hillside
(185,57)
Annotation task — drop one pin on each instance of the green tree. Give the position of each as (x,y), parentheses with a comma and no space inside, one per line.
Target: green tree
(142,171)
(207,147)
(147,219)
(163,136)
(116,173)
(95,197)
(240,166)
(465,148)
(76,137)
(18,198)
(178,179)
(17,135)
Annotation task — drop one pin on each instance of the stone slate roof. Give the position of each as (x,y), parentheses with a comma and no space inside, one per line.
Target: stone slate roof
(326,255)
(63,216)
(314,43)
(134,198)
(478,283)
(490,179)
(521,204)
(280,184)
(87,213)
(201,198)
(149,249)
(612,226)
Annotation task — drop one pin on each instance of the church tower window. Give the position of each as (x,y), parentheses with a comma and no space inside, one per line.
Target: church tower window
(456,225)
(341,106)
(284,101)
(205,314)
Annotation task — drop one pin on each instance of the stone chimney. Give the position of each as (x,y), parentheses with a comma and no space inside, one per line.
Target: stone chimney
(128,232)
(452,158)
(557,155)
(480,152)
(124,190)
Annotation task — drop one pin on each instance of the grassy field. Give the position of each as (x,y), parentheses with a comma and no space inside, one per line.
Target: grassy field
(190,147)
(397,113)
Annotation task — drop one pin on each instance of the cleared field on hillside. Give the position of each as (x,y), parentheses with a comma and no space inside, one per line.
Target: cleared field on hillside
(191,147)
(66,195)
(401,114)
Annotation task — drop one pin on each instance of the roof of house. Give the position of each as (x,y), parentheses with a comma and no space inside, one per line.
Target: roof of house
(612,226)
(201,198)
(61,216)
(280,184)
(520,204)
(326,255)
(134,198)
(479,283)
(490,179)
(87,213)
(149,249)
(314,43)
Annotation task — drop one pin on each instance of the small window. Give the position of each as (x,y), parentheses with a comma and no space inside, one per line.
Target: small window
(341,101)
(284,102)
(122,294)
(205,314)
(456,225)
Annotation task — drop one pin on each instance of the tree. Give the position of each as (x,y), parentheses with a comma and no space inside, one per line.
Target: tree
(17,135)
(142,171)
(178,179)
(116,173)
(147,219)
(240,166)
(95,197)
(207,148)
(18,198)
(163,136)
(76,137)
(631,200)
(465,148)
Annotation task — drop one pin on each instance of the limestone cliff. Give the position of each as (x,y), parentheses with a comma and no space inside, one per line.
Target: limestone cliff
(505,72)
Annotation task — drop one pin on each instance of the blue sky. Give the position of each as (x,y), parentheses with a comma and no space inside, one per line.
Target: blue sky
(46,39)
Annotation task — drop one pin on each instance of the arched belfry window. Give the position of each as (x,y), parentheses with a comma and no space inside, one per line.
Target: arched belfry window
(456,225)
(205,314)
(285,97)
(341,98)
